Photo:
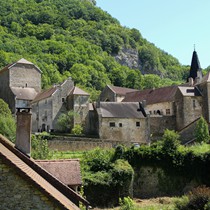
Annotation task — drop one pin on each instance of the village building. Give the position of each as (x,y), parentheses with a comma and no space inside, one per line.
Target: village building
(123,122)
(26,185)
(20,82)
(114,94)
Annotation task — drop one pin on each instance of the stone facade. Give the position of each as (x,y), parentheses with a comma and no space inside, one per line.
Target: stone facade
(21,74)
(125,130)
(47,109)
(16,192)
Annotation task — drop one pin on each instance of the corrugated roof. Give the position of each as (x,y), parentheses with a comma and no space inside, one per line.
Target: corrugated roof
(35,177)
(77,91)
(67,171)
(44,94)
(152,96)
(24,93)
(120,110)
(121,90)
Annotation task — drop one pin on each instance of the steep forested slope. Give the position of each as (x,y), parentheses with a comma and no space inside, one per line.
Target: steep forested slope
(75,38)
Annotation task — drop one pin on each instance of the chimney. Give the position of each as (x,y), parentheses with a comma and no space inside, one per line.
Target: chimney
(191,81)
(23,131)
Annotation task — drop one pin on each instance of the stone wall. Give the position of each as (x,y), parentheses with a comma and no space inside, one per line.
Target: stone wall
(5,91)
(82,144)
(154,182)
(16,192)
(24,75)
(137,133)
(159,123)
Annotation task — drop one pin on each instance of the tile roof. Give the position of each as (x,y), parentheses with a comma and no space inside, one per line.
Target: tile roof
(21,61)
(77,91)
(67,171)
(121,90)
(61,194)
(24,93)
(45,94)
(120,110)
(152,96)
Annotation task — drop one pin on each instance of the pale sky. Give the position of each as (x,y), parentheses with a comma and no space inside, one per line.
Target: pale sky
(173,26)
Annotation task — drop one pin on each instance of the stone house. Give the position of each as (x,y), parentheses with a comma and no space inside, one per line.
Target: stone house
(26,185)
(122,122)
(78,102)
(114,94)
(176,107)
(20,82)
(48,106)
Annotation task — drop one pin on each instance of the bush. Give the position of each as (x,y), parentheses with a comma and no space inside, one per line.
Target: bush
(40,148)
(202,131)
(77,129)
(198,199)
(170,141)
(126,204)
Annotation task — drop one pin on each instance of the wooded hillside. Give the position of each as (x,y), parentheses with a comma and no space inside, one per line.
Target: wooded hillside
(76,38)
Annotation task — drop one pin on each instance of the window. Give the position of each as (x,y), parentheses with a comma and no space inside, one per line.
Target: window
(137,124)
(112,124)
(120,124)
(63,100)
(45,101)
(168,111)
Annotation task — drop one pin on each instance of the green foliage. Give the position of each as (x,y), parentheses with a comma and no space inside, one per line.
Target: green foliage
(104,176)
(65,121)
(76,38)
(202,131)
(127,204)
(7,122)
(198,198)
(170,141)
(77,129)
(39,147)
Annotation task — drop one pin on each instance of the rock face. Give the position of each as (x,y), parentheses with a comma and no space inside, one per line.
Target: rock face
(128,57)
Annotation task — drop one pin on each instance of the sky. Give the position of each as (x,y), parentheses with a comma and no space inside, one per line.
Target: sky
(175,26)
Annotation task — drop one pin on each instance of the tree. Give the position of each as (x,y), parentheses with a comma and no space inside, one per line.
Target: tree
(202,131)
(7,122)
(170,141)
(65,121)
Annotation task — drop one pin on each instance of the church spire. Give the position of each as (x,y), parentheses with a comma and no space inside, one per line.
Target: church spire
(195,69)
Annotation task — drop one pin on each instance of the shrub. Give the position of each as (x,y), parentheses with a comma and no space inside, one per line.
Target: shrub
(198,199)
(126,204)
(202,131)
(170,141)
(40,148)
(77,129)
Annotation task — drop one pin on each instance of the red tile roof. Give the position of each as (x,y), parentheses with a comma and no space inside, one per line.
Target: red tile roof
(121,90)
(44,94)
(152,96)
(67,171)
(52,187)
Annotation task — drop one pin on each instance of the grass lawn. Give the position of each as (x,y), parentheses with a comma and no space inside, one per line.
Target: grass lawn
(66,154)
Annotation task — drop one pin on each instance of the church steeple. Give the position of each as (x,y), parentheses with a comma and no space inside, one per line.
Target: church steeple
(195,69)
